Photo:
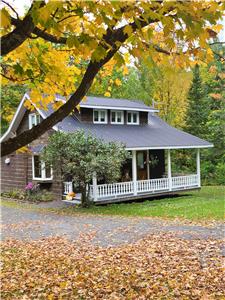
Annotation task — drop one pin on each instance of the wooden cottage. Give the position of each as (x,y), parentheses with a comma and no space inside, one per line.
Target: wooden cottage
(146,136)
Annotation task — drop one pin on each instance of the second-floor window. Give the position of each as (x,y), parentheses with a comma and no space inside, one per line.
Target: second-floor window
(100,116)
(34,119)
(40,170)
(117,117)
(133,118)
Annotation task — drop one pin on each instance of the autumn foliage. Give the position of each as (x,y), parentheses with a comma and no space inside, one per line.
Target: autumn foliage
(61,46)
(159,266)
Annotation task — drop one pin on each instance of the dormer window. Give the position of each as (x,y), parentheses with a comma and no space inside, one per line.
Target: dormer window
(133,118)
(100,116)
(34,119)
(117,117)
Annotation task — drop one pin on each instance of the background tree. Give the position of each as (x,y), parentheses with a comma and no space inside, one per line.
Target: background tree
(206,118)
(164,86)
(11,96)
(198,108)
(95,32)
(213,168)
(81,155)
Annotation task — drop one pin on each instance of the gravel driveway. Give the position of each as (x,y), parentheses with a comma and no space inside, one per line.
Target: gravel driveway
(19,223)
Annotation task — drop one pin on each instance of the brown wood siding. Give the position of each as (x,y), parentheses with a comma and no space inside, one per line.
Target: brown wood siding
(86,115)
(24,124)
(14,174)
(18,173)
(143,116)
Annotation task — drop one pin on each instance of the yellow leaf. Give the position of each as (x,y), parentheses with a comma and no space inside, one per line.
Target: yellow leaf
(128,30)
(78,107)
(63,285)
(107,94)
(118,82)
(125,71)
(218,27)
(84,99)
(5,18)
(22,150)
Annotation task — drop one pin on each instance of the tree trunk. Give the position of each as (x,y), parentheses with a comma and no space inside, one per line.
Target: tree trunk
(85,201)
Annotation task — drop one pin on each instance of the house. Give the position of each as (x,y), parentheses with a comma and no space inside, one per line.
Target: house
(145,135)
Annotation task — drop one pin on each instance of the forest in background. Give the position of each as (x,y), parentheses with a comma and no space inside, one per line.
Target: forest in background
(192,100)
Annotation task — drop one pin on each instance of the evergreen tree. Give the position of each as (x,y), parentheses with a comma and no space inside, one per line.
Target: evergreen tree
(214,168)
(198,109)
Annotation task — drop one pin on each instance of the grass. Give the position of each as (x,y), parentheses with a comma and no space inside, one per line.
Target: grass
(206,204)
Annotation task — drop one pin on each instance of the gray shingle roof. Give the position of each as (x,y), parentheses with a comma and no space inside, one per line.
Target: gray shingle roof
(157,134)
(116,103)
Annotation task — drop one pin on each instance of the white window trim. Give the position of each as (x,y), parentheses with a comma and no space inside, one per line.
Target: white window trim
(138,119)
(36,120)
(106,116)
(122,117)
(43,173)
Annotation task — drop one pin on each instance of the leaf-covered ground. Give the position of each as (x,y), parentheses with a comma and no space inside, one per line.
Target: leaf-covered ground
(160,266)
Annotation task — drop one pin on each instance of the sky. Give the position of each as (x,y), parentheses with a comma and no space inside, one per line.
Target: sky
(21,4)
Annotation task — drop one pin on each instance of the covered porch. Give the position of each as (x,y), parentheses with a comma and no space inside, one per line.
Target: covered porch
(148,174)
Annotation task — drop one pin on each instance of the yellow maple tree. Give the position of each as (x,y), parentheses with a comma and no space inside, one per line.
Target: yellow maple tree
(60,46)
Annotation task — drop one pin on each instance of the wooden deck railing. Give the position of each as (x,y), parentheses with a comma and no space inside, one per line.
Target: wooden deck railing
(126,189)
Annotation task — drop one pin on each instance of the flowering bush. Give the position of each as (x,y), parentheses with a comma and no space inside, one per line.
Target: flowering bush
(29,186)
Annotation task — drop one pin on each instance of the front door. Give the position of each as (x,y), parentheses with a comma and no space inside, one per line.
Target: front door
(141,165)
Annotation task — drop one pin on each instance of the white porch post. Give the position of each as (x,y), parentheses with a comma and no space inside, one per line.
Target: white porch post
(169,169)
(198,167)
(95,187)
(134,170)
(148,167)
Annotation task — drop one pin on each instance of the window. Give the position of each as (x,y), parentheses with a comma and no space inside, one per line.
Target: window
(117,117)
(100,116)
(34,119)
(133,117)
(40,169)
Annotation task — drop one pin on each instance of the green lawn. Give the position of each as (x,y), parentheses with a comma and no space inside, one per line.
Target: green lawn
(206,204)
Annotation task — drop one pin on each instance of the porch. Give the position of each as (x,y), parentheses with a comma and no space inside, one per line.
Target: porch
(137,188)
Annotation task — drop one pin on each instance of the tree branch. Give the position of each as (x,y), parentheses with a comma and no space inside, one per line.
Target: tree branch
(108,42)
(23,30)
(28,136)
(11,8)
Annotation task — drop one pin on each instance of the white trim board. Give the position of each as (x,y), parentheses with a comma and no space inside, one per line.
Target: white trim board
(170,147)
(18,117)
(19,113)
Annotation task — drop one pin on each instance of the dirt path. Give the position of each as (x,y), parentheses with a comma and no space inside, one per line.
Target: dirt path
(18,223)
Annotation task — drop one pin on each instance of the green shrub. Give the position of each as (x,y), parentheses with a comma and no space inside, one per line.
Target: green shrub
(220,173)
(41,195)
(15,194)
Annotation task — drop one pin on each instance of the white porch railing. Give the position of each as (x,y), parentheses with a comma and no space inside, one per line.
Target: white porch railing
(115,189)
(184,181)
(124,189)
(68,187)
(152,185)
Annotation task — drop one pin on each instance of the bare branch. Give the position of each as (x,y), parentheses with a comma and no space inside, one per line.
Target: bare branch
(11,8)
(23,30)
